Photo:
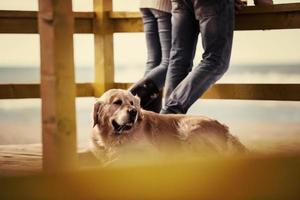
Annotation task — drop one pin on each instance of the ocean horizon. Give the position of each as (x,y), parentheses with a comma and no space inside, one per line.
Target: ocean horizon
(244,73)
(20,120)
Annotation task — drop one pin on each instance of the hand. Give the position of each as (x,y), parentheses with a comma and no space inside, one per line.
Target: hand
(263,2)
(239,5)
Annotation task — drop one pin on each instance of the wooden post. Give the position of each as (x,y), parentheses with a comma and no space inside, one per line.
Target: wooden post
(104,52)
(58,91)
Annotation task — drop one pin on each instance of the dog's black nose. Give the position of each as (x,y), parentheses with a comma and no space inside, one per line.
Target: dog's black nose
(132,112)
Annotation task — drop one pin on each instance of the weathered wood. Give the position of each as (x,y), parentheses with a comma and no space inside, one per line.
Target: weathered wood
(278,16)
(26,22)
(127,20)
(280,92)
(22,91)
(131,25)
(19,91)
(56,25)
(104,47)
(276,8)
(18,22)
(84,22)
(26,159)
(269,17)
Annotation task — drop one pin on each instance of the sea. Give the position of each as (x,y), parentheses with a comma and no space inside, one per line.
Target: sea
(255,122)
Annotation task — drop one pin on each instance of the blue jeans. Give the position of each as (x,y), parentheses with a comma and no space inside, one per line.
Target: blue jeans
(214,20)
(157,28)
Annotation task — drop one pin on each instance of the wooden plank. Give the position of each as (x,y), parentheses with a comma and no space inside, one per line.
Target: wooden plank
(26,22)
(281,16)
(26,159)
(127,21)
(83,22)
(104,47)
(125,15)
(236,178)
(278,16)
(56,27)
(19,91)
(23,91)
(18,22)
(85,90)
(130,25)
(280,92)
(276,8)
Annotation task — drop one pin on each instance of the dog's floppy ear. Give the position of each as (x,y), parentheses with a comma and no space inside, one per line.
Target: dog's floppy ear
(97,108)
(140,114)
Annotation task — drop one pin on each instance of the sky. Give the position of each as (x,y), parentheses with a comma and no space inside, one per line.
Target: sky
(249,47)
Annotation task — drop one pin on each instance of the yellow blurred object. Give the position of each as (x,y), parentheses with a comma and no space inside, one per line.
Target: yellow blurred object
(215,178)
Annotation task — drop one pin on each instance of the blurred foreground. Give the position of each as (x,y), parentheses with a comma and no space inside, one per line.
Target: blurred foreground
(251,176)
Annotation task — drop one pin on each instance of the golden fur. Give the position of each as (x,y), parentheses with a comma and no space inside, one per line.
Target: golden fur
(113,129)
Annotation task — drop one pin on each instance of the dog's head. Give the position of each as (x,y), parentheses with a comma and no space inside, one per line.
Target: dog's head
(117,111)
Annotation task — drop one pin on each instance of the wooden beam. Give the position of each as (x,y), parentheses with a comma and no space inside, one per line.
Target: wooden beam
(18,22)
(56,25)
(26,22)
(278,16)
(132,25)
(278,92)
(104,47)
(23,91)
(19,91)
(83,22)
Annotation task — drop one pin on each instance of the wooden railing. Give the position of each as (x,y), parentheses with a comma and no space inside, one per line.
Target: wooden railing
(282,16)
(103,23)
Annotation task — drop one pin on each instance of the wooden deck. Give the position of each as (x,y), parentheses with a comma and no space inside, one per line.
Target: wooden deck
(27,159)
(20,159)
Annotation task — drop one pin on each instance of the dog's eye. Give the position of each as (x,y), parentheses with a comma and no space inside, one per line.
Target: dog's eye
(131,102)
(118,102)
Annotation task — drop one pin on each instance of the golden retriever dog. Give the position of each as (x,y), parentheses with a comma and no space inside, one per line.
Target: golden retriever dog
(119,121)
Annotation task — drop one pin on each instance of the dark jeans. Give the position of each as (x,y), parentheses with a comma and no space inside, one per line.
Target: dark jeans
(214,19)
(157,27)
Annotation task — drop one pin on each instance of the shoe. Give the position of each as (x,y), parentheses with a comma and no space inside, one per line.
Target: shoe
(155,105)
(147,91)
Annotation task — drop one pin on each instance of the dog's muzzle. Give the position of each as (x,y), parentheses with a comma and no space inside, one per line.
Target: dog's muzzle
(131,118)
(121,128)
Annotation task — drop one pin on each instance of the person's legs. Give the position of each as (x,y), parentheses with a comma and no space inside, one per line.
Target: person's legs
(157,26)
(185,32)
(158,73)
(216,21)
(152,39)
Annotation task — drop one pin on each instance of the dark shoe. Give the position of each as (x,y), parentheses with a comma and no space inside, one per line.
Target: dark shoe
(147,91)
(155,105)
